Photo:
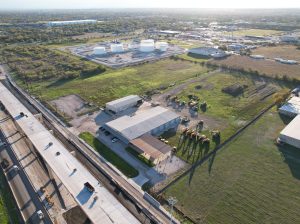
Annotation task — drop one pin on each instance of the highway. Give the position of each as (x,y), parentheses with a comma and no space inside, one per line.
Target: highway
(97,166)
(24,194)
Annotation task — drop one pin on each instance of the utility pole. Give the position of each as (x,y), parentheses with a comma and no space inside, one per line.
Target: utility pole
(172,201)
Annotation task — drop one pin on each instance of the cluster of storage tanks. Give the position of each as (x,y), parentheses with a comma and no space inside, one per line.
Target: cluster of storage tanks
(145,46)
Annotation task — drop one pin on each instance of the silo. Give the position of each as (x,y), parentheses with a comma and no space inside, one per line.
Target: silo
(162,46)
(99,50)
(147,45)
(116,48)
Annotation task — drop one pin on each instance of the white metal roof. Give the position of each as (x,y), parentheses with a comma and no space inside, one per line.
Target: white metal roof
(123,101)
(292,130)
(141,123)
(106,209)
(292,106)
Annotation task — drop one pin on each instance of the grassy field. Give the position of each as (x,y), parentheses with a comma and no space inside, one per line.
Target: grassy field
(254,32)
(269,68)
(7,207)
(250,180)
(191,58)
(281,51)
(114,84)
(224,111)
(109,155)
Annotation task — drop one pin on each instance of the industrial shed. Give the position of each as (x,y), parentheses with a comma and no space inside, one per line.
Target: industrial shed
(291,133)
(154,121)
(291,108)
(122,104)
(151,148)
(207,52)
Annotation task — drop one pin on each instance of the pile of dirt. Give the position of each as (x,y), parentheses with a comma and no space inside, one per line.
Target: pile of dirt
(234,90)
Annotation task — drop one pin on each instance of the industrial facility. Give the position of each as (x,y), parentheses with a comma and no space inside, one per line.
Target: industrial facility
(72,22)
(291,133)
(207,52)
(154,121)
(147,45)
(117,54)
(151,148)
(122,104)
(99,205)
(291,108)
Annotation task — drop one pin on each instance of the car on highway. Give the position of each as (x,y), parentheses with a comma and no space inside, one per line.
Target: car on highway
(40,214)
(114,139)
(16,168)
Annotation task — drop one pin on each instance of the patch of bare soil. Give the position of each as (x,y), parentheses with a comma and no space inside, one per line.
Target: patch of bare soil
(71,105)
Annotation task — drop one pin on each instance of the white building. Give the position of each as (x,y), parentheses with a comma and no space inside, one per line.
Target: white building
(147,45)
(236,47)
(154,121)
(99,50)
(207,52)
(291,133)
(116,48)
(72,22)
(162,46)
(122,104)
(256,56)
(291,108)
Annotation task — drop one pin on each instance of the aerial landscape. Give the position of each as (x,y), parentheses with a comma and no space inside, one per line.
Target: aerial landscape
(132,112)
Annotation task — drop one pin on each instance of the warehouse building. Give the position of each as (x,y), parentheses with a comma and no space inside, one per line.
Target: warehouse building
(72,22)
(122,104)
(151,148)
(207,52)
(291,133)
(154,121)
(291,108)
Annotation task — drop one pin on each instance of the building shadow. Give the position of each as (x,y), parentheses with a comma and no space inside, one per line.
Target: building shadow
(285,119)
(291,157)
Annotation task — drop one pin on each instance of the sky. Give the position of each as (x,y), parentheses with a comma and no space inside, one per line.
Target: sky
(92,4)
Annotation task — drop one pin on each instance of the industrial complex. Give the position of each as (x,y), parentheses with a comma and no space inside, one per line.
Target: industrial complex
(118,54)
(94,199)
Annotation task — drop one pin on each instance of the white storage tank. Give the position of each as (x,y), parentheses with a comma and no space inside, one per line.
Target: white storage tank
(147,45)
(116,48)
(162,46)
(99,50)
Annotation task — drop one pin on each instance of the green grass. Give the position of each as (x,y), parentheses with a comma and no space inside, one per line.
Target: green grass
(140,157)
(114,84)
(8,211)
(254,32)
(191,58)
(225,112)
(250,180)
(109,155)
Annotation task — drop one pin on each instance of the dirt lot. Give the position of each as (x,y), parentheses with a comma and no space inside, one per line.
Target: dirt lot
(282,51)
(71,105)
(268,67)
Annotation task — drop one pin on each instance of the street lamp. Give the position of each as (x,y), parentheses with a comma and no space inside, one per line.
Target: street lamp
(172,201)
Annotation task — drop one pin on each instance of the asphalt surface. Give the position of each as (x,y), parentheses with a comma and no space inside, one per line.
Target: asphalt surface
(25,196)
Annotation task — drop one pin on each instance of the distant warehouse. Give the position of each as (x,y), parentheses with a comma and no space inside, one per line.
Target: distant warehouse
(122,104)
(291,133)
(208,52)
(154,121)
(71,22)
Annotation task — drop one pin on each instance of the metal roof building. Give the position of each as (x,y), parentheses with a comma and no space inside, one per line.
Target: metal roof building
(291,133)
(106,209)
(154,121)
(206,51)
(151,148)
(122,104)
(291,108)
